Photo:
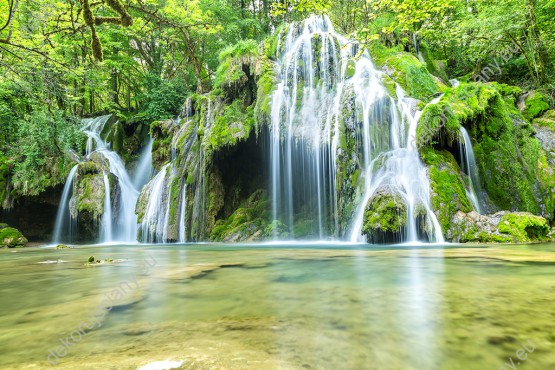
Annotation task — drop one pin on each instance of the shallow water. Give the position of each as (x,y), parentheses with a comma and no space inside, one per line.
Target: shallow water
(279,306)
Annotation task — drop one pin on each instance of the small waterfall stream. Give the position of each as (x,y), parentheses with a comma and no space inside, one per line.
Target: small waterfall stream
(474,188)
(106,231)
(63,217)
(144,168)
(154,226)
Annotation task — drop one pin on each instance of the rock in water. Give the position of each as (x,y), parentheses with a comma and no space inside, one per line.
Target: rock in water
(11,238)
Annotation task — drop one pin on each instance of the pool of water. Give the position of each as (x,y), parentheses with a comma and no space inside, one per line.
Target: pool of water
(278,307)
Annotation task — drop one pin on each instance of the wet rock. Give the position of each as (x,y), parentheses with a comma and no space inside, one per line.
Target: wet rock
(501,227)
(11,238)
(385,216)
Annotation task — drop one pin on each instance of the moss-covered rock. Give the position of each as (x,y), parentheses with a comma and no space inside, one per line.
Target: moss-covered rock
(475,228)
(502,227)
(524,227)
(11,238)
(87,202)
(385,217)
(250,222)
(116,137)
(448,195)
(546,120)
(535,104)
(236,73)
(412,75)
(233,125)
(162,132)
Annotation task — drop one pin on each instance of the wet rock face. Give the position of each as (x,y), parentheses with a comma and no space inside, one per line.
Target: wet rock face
(87,203)
(10,237)
(385,217)
(501,227)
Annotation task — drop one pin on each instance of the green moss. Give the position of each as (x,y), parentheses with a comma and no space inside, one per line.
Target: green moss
(386,213)
(412,75)
(116,137)
(4,181)
(524,227)
(249,222)
(235,124)
(547,120)
(509,93)
(536,104)
(448,194)
(89,192)
(266,85)
(440,123)
(270,44)
(513,167)
(11,238)
(233,60)
(174,199)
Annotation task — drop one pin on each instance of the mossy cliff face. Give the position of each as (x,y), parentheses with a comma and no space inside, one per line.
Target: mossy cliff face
(534,105)
(447,192)
(248,223)
(216,149)
(513,166)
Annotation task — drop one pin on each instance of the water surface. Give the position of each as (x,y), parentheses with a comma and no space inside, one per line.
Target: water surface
(279,306)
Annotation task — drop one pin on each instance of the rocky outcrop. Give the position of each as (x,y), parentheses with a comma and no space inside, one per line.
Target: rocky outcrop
(87,203)
(11,238)
(513,166)
(385,217)
(502,227)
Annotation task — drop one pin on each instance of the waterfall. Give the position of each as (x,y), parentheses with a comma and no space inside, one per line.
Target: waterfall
(156,219)
(106,231)
(326,85)
(181,227)
(301,152)
(125,226)
(474,187)
(144,168)
(401,170)
(119,222)
(63,217)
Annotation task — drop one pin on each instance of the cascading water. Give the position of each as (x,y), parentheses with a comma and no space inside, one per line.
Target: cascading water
(322,78)
(125,224)
(106,231)
(474,187)
(182,234)
(144,168)
(155,223)
(117,224)
(63,217)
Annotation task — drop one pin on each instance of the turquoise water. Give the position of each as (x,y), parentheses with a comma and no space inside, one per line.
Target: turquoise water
(279,307)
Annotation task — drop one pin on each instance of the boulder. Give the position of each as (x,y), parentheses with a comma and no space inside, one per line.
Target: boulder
(11,238)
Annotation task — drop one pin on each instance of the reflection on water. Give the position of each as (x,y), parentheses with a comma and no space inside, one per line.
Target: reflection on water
(288,308)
